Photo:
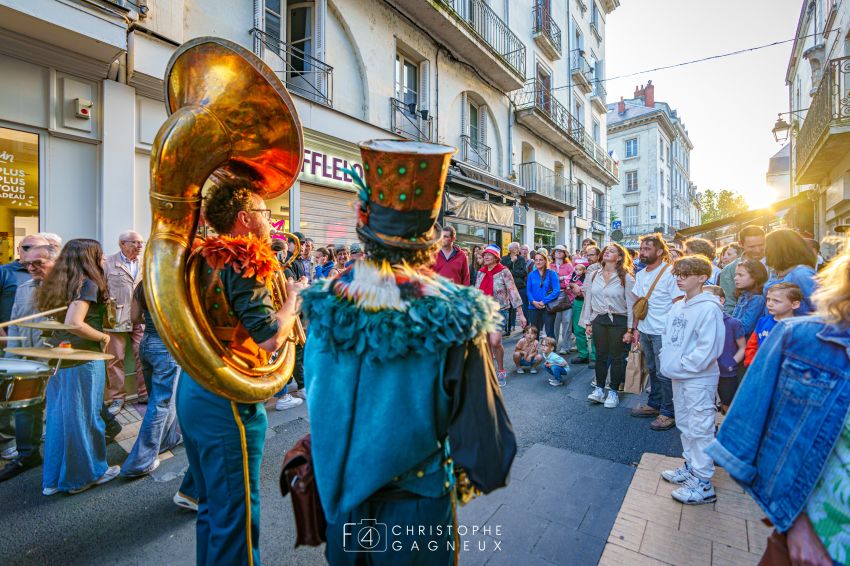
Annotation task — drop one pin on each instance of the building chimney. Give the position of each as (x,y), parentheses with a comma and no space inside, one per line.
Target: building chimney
(621,106)
(649,94)
(639,90)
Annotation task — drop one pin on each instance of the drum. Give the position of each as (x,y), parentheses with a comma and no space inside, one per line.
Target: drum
(22,382)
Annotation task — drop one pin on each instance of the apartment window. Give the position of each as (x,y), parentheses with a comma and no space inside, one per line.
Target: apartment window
(632,147)
(594,14)
(630,213)
(596,131)
(579,37)
(273,24)
(474,129)
(668,153)
(580,113)
(661,181)
(661,149)
(407,82)
(300,36)
(631,181)
(581,209)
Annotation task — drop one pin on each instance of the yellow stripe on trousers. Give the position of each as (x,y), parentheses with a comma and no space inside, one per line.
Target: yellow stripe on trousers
(245,473)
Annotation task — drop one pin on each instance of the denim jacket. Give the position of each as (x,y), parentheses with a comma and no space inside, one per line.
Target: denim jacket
(787,416)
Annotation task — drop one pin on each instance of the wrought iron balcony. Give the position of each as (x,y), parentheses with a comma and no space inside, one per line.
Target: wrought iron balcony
(542,181)
(302,73)
(581,71)
(599,95)
(539,110)
(495,32)
(642,229)
(824,137)
(474,152)
(409,123)
(547,33)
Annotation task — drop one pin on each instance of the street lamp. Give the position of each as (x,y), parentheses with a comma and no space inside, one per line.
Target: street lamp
(780,129)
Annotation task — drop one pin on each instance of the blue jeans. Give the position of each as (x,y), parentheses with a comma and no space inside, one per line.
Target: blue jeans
(75,445)
(661,388)
(159,427)
(29,424)
(558,373)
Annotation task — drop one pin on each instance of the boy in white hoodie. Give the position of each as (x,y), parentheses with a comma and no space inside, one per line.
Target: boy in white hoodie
(691,344)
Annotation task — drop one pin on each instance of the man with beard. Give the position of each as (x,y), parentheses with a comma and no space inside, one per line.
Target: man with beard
(658,276)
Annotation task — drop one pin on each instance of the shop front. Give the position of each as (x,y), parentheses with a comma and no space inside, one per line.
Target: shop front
(545,230)
(19,168)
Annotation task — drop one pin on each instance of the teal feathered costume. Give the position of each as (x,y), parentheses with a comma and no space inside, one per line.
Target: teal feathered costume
(406,415)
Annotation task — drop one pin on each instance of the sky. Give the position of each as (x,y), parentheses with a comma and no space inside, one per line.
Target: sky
(728,105)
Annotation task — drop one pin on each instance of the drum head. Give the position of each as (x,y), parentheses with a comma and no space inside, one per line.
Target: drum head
(23,368)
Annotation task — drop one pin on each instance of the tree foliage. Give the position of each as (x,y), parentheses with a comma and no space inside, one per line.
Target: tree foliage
(717,205)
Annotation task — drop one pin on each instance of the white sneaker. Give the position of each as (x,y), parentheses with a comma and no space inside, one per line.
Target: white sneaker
(678,476)
(520,371)
(49,491)
(597,395)
(115,407)
(185,502)
(9,453)
(532,370)
(613,399)
(695,492)
(143,473)
(110,474)
(555,383)
(287,402)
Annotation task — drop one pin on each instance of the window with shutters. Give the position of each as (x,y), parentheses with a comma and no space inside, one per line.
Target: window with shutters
(631,181)
(661,182)
(300,36)
(632,147)
(273,24)
(630,214)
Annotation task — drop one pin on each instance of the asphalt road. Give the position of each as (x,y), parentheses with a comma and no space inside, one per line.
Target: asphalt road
(135,522)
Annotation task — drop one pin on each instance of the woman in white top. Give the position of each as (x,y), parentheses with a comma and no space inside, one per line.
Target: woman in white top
(607,316)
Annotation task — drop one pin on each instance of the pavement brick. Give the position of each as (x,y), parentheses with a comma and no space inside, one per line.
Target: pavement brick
(522,467)
(599,518)
(738,505)
(649,460)
(567,547)
(675,547)
(514,558)
(724,481)
(645,480)
(627,531)
(757,533)
(655,508)
(618,556)
(129,430)
(557,507)
(725,555)
(520,530)
(703,521)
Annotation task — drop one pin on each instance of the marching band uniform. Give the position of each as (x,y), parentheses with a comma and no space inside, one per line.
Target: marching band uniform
(224,439)
(411,407)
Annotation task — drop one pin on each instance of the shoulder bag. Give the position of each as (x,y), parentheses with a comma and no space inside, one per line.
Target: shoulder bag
(641,307)
(561,303)
(297,478)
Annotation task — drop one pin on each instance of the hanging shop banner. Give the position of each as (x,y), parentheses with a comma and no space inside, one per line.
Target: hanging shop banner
(326,159)
(480,210)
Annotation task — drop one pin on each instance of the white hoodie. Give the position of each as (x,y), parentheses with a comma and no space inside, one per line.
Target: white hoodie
(693,340)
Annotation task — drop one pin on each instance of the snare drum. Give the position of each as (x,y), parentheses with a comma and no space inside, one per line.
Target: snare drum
(22,382)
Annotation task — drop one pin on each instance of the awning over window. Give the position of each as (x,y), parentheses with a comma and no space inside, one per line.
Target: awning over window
(488,212)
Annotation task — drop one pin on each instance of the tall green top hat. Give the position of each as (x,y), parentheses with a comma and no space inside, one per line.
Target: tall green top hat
(403,191)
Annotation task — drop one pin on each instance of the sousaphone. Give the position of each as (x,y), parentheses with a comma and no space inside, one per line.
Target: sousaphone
(229,117)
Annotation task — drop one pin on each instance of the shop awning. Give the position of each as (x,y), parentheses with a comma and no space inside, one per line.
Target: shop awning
(765,215)
(473,178)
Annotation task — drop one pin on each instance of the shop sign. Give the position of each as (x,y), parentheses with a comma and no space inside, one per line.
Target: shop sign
(520,215)
(18,169)
(545,221)
(323,167)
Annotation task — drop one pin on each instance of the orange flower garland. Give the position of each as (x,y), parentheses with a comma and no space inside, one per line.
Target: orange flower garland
(248,255)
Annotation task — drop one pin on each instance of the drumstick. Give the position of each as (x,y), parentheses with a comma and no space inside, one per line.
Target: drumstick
(32,316)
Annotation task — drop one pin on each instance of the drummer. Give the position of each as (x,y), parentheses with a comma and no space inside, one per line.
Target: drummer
(38,260)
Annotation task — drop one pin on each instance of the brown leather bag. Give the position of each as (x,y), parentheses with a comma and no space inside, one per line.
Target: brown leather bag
(641,306)
(297,478)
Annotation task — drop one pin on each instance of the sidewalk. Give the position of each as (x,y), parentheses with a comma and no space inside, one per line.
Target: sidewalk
(652,529)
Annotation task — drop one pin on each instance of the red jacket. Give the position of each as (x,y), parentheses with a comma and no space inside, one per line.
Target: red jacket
(456,268)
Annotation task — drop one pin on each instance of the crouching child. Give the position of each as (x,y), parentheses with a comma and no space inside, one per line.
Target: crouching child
(555,365)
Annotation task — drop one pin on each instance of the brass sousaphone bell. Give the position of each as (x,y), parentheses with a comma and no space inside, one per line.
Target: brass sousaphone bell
(229,117)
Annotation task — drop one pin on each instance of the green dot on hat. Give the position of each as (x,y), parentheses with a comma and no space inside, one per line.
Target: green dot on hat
(417,191)
(423,164)
(402,197)
(380,171)
(402,170)
(366,166)
(381,195)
